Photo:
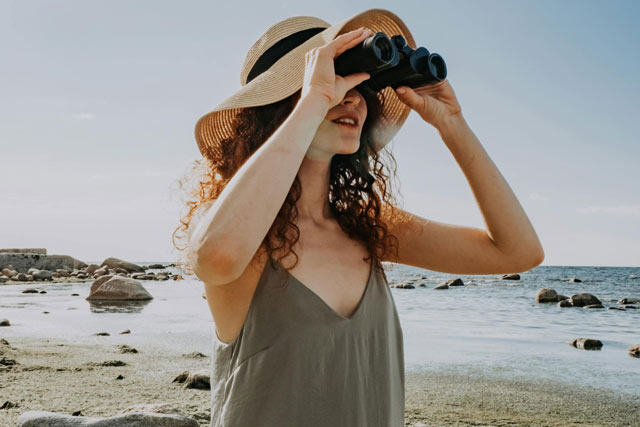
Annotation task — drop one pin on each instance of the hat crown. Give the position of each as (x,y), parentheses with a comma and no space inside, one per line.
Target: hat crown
(275,33)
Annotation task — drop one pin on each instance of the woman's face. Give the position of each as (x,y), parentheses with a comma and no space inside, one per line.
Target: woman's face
(336,138)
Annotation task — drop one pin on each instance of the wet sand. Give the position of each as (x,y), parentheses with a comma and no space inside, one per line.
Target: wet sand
(53,375)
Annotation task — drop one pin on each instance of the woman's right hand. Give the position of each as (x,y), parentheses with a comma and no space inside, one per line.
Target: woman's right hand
(320,79)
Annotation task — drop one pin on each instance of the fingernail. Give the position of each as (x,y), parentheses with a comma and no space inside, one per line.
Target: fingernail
(400,90)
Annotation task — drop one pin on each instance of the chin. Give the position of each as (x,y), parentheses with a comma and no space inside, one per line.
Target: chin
(349,148)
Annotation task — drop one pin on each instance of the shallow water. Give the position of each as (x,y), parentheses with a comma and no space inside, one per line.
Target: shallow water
(494,326)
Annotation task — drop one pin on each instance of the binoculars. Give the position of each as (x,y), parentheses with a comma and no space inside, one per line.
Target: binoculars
(391,62)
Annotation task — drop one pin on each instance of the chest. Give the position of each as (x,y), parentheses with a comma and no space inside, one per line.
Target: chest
(333,269)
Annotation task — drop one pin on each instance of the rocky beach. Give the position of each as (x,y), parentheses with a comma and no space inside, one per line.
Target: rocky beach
(71,378)
(131,341)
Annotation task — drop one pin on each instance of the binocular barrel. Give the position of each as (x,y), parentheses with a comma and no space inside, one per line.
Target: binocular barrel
(391,62)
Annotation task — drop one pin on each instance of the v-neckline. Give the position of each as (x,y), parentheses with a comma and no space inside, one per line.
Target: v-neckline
(323,302)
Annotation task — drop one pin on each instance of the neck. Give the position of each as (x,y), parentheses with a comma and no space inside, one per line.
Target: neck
(313,204)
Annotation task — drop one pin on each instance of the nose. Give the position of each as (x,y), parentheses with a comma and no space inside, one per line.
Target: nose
(352,97)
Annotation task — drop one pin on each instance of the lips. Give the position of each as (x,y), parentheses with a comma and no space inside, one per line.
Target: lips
(351,116)
(347,125)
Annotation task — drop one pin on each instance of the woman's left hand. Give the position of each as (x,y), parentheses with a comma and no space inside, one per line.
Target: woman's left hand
(435,103)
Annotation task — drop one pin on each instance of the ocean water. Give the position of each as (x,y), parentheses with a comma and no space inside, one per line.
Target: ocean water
(489,325)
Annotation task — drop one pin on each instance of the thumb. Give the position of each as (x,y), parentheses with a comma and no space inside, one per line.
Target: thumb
(410,97)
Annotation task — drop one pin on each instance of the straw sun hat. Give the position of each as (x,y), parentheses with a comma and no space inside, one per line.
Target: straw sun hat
(274,69)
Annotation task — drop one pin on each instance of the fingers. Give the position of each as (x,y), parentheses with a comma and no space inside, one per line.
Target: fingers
(353,80)
(345,41)
(411,98)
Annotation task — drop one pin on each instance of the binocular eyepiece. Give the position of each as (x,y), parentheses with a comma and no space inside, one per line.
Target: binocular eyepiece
(391,62)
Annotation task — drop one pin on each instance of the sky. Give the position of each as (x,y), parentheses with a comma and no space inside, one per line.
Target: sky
(98,102)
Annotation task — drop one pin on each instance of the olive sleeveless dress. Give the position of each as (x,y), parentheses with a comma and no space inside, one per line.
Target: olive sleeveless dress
(297,362)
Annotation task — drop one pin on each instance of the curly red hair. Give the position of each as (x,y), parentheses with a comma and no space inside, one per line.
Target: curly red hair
(358,183)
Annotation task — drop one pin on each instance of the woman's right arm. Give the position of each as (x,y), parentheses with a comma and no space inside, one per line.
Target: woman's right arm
(231,229)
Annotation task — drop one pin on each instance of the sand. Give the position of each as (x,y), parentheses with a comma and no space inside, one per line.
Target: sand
(53,375)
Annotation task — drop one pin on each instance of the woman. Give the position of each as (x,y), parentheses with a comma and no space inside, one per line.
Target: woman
(292,183)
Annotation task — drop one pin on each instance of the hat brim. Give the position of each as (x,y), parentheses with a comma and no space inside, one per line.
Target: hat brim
(286,76)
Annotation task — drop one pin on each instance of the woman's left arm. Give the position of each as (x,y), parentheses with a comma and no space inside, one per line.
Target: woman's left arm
(508,226)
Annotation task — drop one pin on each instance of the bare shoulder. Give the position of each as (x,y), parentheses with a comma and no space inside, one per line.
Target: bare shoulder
(229,303)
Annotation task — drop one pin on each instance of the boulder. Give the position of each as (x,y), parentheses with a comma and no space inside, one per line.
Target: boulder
(158,408)
(120,288)
(155,266)
(98,282)
(22,262)
(546,295)
(92,269)
(139,419)
(581,300)
(118,263)
(42,275)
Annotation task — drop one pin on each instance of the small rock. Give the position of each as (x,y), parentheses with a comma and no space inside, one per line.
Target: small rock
(629,301)
(108,363)
(404,286)
(7,405)
(455,282)
(587,343)
(7,362)
(198,380)
(195,354)
(126,349)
